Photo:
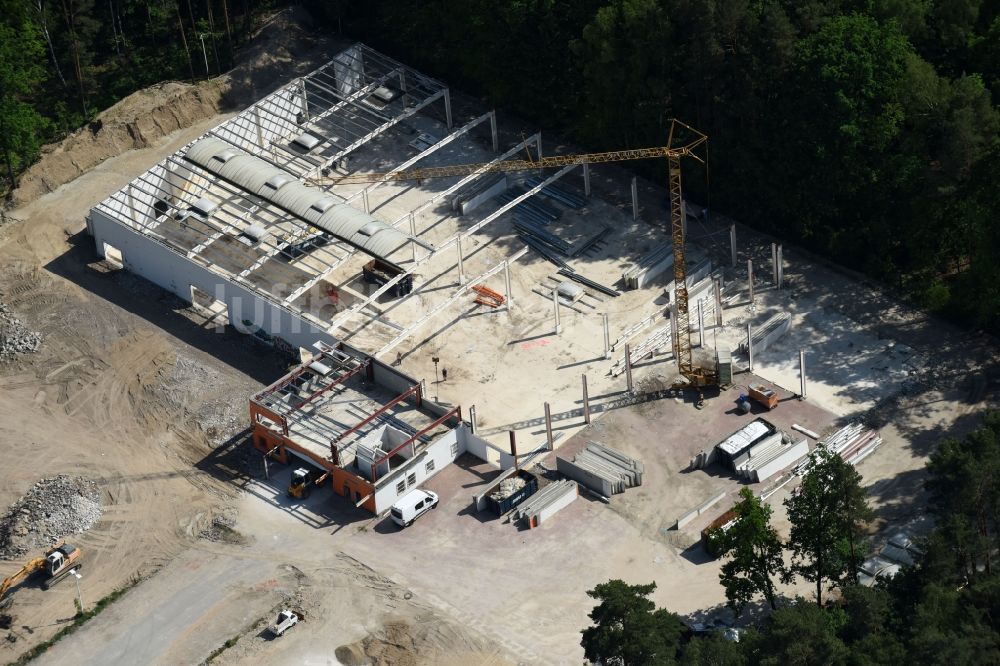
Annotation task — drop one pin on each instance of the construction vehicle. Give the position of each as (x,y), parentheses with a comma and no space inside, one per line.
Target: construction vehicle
(300,485)
(696,376)
(286,620)
(57,563)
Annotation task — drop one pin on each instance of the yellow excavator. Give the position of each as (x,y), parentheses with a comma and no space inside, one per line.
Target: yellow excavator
(57,562)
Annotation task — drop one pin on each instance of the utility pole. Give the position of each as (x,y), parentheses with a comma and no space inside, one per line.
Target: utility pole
(205,53)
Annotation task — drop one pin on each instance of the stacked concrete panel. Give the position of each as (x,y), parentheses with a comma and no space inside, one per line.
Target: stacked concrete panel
(650,266)
(602,469)
(547,502)
(770,457)
(769,332)
(853,443)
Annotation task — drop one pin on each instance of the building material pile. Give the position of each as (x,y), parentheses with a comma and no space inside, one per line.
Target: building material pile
(853,443)
(546,502)
(557,194)
(52,509)
(650,266)
(510,491)
(530,209)
(657,340)
(478,192)
(604,470)
(488,297)
(15,338)
(770,457)
(768,333)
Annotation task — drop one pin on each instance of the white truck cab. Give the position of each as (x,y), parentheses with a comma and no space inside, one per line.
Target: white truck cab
(286,620)
(412,505)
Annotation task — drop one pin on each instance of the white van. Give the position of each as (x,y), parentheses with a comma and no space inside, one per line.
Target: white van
(412,505)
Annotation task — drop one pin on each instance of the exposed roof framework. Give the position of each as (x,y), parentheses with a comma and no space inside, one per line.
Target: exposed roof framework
(262,241)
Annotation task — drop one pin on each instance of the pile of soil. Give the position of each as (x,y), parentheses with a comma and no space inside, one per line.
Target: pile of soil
(51,510)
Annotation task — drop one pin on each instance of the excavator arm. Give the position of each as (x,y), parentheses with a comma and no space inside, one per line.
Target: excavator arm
(25,571)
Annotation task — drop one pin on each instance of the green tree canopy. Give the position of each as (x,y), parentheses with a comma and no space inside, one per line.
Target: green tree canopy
(754,551)
(628,629)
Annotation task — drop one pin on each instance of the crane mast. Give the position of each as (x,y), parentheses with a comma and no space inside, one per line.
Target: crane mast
(673,153)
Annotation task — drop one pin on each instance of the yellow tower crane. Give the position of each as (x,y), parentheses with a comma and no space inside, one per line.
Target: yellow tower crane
(697,376)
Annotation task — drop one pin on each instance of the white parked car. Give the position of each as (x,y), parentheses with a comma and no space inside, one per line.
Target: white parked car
(412,505)
(286,620)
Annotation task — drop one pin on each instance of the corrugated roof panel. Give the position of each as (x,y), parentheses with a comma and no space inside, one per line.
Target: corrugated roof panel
(309,204)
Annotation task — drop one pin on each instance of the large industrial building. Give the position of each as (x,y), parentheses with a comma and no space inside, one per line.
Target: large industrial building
(265,222)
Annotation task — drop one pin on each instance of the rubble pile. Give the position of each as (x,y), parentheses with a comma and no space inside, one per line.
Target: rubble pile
(51,510)
(14,337)
(508,487)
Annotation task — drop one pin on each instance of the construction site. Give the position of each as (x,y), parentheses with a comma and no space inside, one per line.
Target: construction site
(288,318)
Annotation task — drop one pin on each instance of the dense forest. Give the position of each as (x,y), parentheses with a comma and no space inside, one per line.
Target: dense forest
(864,130)
(943,610)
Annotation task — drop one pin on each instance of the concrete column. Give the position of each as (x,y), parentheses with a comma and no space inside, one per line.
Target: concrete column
(701,326)
(628,368)
(774,264)
(267,474)
(538,145)
(781,270)
(305,102)
(555,306)
(402,85)
(718,302)
(802,374)
(607,337)
(364,195)
(447,107)
(635,198)
(586,401)
(461,262)
(548,427)
(750,278)
(513,446)
(750,347)
(472,419)
(413,232)
(506,279)
(586,178)
(732,243)
(260,132)
(493,131)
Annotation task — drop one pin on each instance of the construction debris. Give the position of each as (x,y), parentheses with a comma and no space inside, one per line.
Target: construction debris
(15,338)
(546,502)
(602,469)
(51,510)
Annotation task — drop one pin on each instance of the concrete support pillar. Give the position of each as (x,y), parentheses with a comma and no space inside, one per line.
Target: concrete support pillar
(586,178)
(472,419)
(781,270)
(513,446)
(304,102)
(732,243)
(257,124)
(493,132)
(509,295)
(607,337)
(749,347)
(635,198)
(701,325)
(750,278)
(402,85)
(555,307)
(718,302)
(628,369)
(267,474)
(447,107)
(538,145)
(461,262)
(364,195)
(413,232)
(802,374)
(774,264)
(586,401)
(548,427)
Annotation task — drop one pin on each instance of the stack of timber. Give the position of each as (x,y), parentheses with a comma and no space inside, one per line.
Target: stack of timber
(768,333)
(604,470)
(558,194)
(770,457)
(546,502)
(488,297)
(853,443)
